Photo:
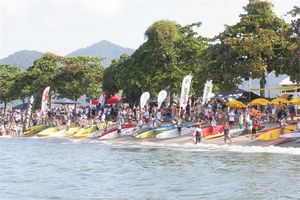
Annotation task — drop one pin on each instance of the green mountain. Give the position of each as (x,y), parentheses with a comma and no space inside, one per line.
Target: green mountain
(104,49)
(24,58)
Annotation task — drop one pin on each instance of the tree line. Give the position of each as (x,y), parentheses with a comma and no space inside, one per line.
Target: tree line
(258,44)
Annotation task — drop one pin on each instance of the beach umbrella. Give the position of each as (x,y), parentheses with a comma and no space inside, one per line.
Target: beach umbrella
(280,101)
(235,103)
(260,101)
(295,101)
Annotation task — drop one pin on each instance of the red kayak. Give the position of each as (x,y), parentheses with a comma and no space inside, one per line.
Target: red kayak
(112,129)
(209,130)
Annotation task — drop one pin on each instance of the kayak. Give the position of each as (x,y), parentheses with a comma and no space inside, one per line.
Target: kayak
(72,131)
(214,136)
(34,130)
(59,133)
(174,133)
(84,132)
(291,135)
(274,134)
(147,134)
(212,131)
(114,129)
(48,131)
(109,123)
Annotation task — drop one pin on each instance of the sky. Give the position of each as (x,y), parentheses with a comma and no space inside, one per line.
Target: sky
(63,26)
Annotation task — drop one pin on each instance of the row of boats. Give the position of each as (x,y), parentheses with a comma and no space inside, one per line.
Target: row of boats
(163,132)
(92,132)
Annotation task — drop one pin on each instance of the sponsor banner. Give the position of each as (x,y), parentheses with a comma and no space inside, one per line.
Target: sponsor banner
(144,98)
(207,91)
(28,113)
(161,97)
(185,89)
(45,99)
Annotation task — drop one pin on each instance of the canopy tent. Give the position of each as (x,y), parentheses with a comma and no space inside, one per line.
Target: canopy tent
(280,101)
(235,103)
(260,101)
(64,101)
(248,96)
(235,93)
(22,106)
(113,99)
(295,101)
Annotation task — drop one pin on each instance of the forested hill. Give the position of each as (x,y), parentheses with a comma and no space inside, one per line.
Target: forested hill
(23,59)
(104,49)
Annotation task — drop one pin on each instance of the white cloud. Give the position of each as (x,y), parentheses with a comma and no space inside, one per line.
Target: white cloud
(104,8)
(14,8)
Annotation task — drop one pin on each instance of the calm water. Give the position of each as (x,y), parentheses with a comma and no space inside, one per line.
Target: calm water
(40,168)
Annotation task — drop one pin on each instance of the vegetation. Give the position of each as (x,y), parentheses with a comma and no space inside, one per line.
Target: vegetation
(258,44)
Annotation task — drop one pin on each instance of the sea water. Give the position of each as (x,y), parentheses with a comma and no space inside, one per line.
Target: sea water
(44,168)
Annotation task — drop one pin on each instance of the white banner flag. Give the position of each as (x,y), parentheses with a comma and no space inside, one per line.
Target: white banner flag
(185,89)
(207,91)
(45,99)
(144,98)
(161,97)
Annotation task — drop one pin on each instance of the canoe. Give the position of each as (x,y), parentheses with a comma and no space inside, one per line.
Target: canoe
(147,134)
(84,132)
(34,130)
(72,131)
(274,134)
(48,131)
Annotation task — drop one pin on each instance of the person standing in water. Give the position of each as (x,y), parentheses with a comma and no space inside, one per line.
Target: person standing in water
(179,125)
(198,134)
(226,133)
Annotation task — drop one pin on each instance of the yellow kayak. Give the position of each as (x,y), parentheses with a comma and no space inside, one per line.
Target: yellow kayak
(48,131)
(275,133)
(72,131)
(214,136)
(147,134)
(34,130)
(85,132)
(109,123)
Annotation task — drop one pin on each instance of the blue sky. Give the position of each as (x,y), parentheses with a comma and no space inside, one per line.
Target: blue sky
(62,26)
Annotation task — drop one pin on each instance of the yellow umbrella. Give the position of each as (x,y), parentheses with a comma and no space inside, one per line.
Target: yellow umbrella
(280,100)
(260,101)
(295,101)
(235,103)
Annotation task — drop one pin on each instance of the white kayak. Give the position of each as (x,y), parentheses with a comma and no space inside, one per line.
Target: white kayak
(95,134)
(291,135)
(114,134)
(174,133)
(59,134)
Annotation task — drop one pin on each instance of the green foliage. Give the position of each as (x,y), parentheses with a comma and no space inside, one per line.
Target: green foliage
(292,57)
(8,76)
(253,46)
(170,53)
(79,76)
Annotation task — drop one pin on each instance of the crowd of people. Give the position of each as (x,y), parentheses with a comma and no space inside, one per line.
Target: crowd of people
(213,113)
